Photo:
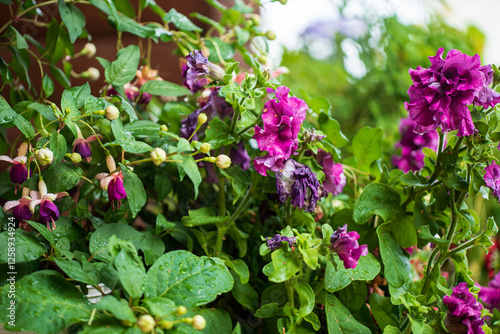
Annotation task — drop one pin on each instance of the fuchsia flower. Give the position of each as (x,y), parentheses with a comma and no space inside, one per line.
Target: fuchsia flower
(491,294)
(20,208)
(335,179)
(282,118)
(112,183)
(49,212)
(18,172)
(345,244)
(198,69)
(275,242)
(411,144)
(464,311)
(300,183)
(82,147)
(492,178)
(440,94)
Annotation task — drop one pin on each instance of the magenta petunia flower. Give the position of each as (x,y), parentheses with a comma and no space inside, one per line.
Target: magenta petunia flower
(492,178)
(491,294)
(345,244)
(275,242)
(300,183)
(335,179)
(198,69)
(464,311)
(440,94)
(411,144)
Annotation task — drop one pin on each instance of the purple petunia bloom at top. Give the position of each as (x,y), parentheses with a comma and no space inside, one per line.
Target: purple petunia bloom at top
(300,183)
(335,179)
(411,144)
(440,94)
(491,294)
(492,178)
(464,311)
(275,242)
(198,67)
(345,244)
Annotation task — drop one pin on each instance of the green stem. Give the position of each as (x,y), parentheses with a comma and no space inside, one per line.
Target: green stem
(222,195)
(289,291)
(438,165)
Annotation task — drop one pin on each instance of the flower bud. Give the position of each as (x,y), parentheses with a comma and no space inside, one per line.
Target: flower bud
(210,159)
(23,148)
(158,155)
(205,148)
(44,156)
(42,188)
(163,128)
(181,310)
(146,323)
(112,113)
(165,324)
(199,322)
(76,158)
(110,162)
(202,119)
(271,35)
(91,73)
(223,161)
(283,2)
(89,50)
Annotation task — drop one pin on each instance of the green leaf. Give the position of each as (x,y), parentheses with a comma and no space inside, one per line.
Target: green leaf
(98,245)
(218,321)
(378,199)
(336,279)
(238,179)
(191,169)
(46,111)
(397,267)
(128,109)
(73,18)
(129,266)
(132,146)
(48,86)
(203,216)
(68,102)
(339,320)
(284,266)
(187,279)
(219,27)
(367,147)
(160,307)
(61,177)
(152,247)
(125,7)
(50,46)
(60,76)
(269,310)
(119,308)
(306,298)
(413,179)
(123,69)
(27,247)
(24,126)
(404,232)
(180,21)
(45,303)
(218,134)
(381,309)
(164,88)
(43,231)
(244,293)
(74,270)
(80,94)
(354,295)
(143,129)
(58,146)
(136,195)
(216,46)
(20,40)
(240,267)
(331,128)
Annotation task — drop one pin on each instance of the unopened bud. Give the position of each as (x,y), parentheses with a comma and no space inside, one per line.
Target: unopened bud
(163,128)
(91,73)
(146,323)
(205,148)
(76,158)
(283,2)
(181,310)
(271,35)
(67,111)
(223,161)
(165,324)
(202,119)
(44,156)
(112,113)
(110,162)
(42,188)
(158,155)
(199,322)
(23,148)
(89,50)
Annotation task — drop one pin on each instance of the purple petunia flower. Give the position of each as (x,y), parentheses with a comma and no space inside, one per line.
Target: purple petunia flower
(275,242)
(335,179)
(345,244)
(300,183)
(440,94)
(411,144)
(282,119)
(492,178)
(464,311)
(491,294)
(198,67)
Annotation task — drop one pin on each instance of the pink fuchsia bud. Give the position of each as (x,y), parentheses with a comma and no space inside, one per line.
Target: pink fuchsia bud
(112,113)
(146,323)
(199,322)
(44,156)
(110,163)
(158,155)
(223,161)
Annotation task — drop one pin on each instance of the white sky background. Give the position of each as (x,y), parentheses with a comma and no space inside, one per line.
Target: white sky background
(290,20)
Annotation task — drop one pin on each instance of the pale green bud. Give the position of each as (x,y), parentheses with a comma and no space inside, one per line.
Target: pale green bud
(205,148)
(158,155)
(199,322)
(44,156)
(91,73)
(223,161)
(271,35)
(89,50)
(163,128)
(112,113)
(76,158)
(181,310)
(165,324)
(202,119)
(146,323)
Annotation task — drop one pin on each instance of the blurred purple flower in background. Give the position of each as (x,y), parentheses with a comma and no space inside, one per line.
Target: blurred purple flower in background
(491,294)
(492,178)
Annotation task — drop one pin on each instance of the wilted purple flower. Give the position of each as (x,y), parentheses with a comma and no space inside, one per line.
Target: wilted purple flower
(464,311)
(239,156)
(275,242)
(310,136)
(440,94)
(411,144)
(199,67)
(20,208)
(300,183)
(492,178)
(345,244)
(274,163)
(491,294)
(335,179)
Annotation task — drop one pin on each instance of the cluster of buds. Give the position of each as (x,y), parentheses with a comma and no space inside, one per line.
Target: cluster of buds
(147,323)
